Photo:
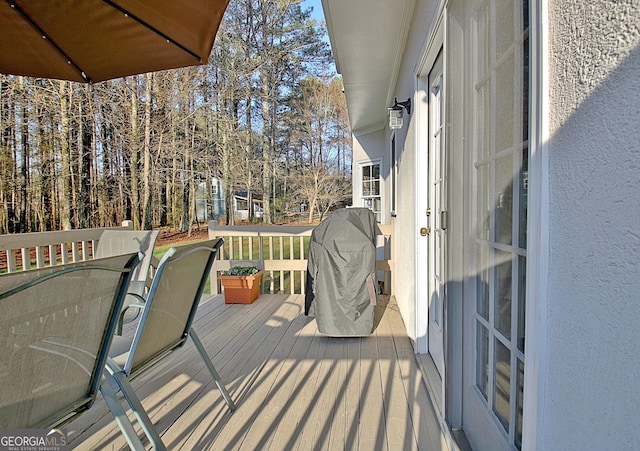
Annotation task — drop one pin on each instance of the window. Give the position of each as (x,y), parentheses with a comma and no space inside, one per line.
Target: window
(501,148)
(370,186)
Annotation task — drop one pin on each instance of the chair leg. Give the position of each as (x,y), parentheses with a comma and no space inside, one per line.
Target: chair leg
(123,384)
(119,414)
(212,370)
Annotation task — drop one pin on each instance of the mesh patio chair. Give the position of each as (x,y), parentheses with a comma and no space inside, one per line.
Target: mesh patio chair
(115,242)
(56,329)
(167,315)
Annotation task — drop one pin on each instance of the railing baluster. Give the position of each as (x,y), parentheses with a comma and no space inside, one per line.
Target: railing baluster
(39,257)
(75,252)
(26,259)
(291,247)
(11,260)
(85,250)
(64,253)
(53,257)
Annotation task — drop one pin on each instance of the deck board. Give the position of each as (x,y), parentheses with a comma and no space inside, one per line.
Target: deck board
(295,388)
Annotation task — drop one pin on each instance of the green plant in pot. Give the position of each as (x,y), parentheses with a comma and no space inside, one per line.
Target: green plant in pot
(241,284)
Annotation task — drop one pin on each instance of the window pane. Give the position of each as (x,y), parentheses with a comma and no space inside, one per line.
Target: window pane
(522,292)
(501,396)
(525,92)
(504,22)
(483,282)
(502,292)
(519,403)
(375,188)
(482,41)
(482,362)
(524,189)
(505,119)
(504,200)
(483,121)
(483,202)
(375,171)
(366,172)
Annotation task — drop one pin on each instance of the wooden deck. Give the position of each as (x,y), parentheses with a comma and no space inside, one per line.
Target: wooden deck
(295,389)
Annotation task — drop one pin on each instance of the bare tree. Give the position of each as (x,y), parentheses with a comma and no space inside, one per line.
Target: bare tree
(138,148)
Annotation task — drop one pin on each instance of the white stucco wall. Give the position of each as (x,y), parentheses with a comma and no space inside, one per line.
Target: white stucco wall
(592,379)
(407,148)
(404,232)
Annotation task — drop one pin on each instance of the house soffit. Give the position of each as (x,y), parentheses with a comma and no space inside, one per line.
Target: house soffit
(368,39)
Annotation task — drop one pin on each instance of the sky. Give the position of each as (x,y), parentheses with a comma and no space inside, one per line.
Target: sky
(318,15)
(317,8)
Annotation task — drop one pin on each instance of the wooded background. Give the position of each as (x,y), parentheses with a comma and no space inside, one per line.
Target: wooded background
(265,116)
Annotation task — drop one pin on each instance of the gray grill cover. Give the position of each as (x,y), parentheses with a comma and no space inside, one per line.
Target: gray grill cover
(340,290)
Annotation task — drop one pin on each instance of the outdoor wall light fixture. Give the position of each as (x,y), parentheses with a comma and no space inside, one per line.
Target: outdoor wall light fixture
(395,113)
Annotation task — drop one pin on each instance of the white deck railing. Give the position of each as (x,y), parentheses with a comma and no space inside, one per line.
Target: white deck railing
(282,252)
(23,251)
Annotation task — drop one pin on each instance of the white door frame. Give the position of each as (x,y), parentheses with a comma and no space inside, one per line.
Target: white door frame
(421,296)
(422,203)
(437,208)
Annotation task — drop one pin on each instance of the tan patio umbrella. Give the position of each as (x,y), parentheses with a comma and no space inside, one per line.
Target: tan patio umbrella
(96,40)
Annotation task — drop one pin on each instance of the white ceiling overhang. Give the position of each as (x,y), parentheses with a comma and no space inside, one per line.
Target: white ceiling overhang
(368,39)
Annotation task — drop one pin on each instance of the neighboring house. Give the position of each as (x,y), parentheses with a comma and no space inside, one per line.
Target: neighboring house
(211,205)
(512,187)
(241,206)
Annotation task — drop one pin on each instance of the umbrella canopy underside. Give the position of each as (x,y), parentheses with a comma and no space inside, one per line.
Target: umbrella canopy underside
(96,40)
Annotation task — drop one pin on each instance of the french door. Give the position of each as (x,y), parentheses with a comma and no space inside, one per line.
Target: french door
(437,215)
(498,52)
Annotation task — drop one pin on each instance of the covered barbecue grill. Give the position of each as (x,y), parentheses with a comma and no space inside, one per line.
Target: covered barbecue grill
(341,273)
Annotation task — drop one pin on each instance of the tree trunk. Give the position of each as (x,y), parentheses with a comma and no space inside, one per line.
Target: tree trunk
(85,154)
(135,157)
(66,197)
(146,173)
(267,155)
(24,217)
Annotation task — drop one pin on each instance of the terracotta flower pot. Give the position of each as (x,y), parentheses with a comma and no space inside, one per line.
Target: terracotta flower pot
(241,289)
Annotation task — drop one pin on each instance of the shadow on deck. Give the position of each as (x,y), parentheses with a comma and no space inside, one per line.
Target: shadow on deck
(295,388)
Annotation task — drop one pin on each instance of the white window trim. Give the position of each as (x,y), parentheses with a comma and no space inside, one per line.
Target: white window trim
(359,194)
(538,231)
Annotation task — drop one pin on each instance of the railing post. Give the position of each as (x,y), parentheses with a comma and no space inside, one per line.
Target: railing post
(384,251)
(214,274)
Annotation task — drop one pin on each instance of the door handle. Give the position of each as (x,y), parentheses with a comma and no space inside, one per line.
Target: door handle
(424,231)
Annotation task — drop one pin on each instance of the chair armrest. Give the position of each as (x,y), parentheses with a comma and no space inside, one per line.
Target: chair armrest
(137,304)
